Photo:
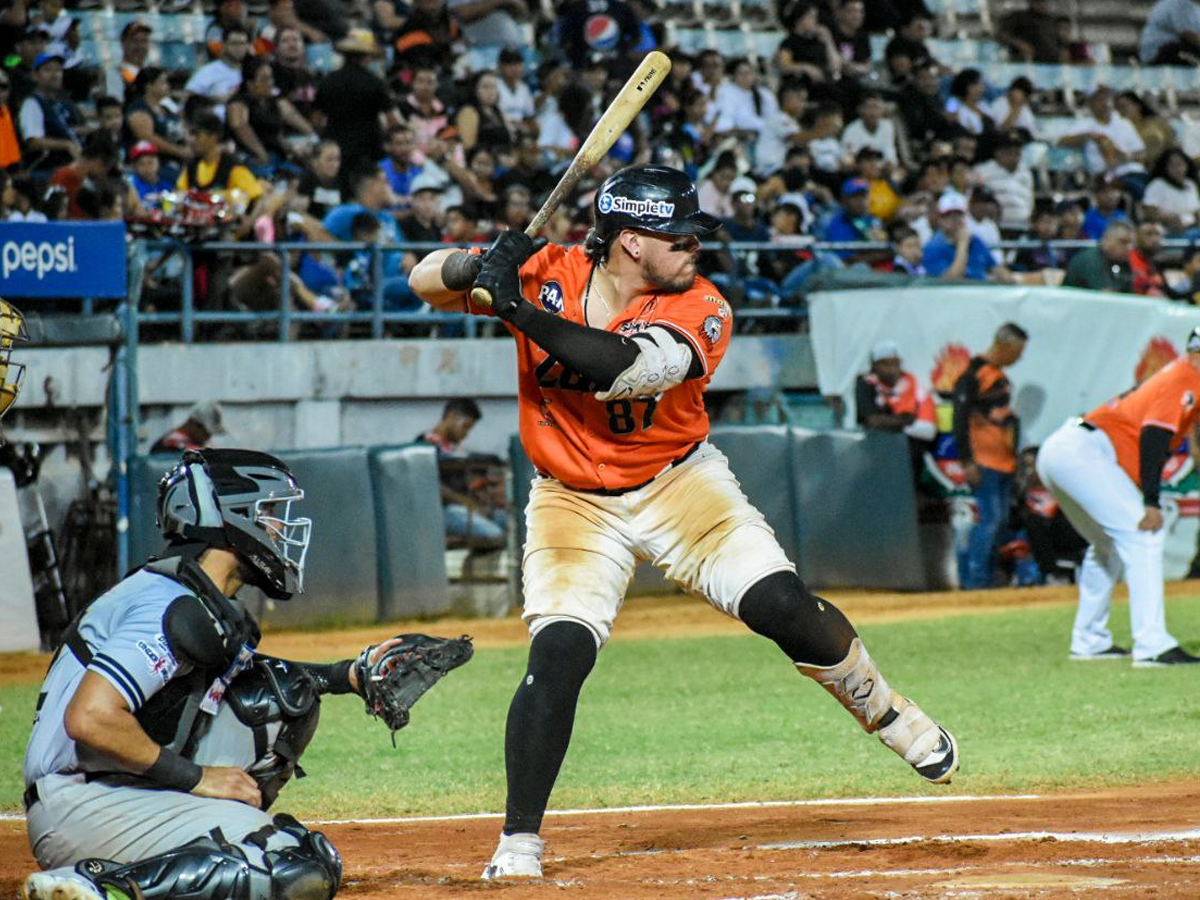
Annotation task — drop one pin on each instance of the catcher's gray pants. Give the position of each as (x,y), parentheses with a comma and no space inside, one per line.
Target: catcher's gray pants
(74,819)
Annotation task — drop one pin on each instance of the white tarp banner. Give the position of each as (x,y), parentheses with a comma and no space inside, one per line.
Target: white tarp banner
(1084,346)
(18,619)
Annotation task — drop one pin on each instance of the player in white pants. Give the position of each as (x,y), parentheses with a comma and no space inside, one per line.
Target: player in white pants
(1105,471)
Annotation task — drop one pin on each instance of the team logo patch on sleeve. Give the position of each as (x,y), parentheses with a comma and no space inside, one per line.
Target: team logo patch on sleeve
(159,659)
(551,297)
(1189,399)
(710,330)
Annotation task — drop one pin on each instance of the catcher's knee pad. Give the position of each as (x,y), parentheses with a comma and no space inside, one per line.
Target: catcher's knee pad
(278,702)
(807,628)
(312,870)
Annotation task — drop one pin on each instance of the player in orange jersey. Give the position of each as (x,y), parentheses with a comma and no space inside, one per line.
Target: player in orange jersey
(1105,471)
(616,343)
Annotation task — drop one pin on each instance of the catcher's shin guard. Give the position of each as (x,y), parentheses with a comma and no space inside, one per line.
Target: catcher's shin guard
(859,686)
(210,868)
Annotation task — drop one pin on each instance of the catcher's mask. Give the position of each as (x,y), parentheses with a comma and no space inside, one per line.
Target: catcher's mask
(239,500)
(12,329)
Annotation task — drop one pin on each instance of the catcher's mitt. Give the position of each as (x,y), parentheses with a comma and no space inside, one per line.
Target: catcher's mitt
(405,672)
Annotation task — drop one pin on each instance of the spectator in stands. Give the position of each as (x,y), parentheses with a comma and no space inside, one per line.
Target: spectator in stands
(779,130)
(1036,259)
(149,119)
(30,46)
(1070,220)
(359,275)
(527,170)
(1074,51)
(887,398)
(921,109)
(1057,547)
(882,200)
(461,227)
(1155,131)
(807,52)
(296,82)
(1148,279)
(1106,266)
(22,200)
(983,212)
(516,99)
(48,121)
(557,140)
(492,23)
(10,144)
(399,166)
(355,101)
(1011,182)
(203,423)
(871,129)
(212,169)
(909,43)
(97,159)
(1188,289)
(908,253)
(327,16)
(966,105)
(516,207)
(1031,34)
(371,194)
(1106,192)
(961,176)
(220,79)
(480,191)
(715,190)
(145,175)
(825,144)
(258,119)
(321,181)
(281,17)
(793,185)
(422,110)
(480,121)
(111,118)
(854,222)
(469,510)
(584,27)
(1011,112)
(135,48)
(953,252)
(710,72)
(689,134)
(1171,36)
(423,222)
(1110,143)
(427,37)
(230,14)
(1173,195)
(742,105)
(986,434)
(851,39)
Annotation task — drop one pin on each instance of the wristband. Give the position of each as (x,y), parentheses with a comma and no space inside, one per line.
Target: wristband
(173,771)
(459,271)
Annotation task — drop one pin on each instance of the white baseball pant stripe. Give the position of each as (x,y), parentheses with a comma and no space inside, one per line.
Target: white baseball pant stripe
(693,522)
(1097,496)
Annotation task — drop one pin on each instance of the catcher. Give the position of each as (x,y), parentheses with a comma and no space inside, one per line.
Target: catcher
(161,738)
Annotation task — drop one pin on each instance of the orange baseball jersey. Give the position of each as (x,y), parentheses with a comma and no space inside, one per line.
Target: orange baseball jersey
(1166,399)
(594,444)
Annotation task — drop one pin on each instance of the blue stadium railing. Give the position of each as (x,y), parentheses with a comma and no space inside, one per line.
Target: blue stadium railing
(377,318)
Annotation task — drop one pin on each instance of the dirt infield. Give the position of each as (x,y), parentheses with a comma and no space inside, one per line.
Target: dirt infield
(1133,843)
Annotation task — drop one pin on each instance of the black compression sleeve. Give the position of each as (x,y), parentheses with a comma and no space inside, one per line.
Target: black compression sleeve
(1154,445)
(598,355)
(331,678)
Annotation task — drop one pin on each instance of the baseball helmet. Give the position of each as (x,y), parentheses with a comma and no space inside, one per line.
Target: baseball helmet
(12,329)
(239,500)
(650,198)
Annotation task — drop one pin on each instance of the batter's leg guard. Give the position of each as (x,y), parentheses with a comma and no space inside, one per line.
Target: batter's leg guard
(902,725)
(208,868)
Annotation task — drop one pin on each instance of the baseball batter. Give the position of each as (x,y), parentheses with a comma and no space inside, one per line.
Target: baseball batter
(1105,471)
(614,353)
(160,738)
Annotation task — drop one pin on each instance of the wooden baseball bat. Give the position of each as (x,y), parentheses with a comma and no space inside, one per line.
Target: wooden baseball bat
(625,106)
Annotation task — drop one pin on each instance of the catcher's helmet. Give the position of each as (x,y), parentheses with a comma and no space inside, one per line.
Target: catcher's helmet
(239,500)
(12,329)
(650,198)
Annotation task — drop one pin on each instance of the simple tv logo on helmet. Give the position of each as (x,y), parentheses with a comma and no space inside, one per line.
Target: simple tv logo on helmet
(659,208)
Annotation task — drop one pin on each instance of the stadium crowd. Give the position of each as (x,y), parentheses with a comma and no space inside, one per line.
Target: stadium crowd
(448,120)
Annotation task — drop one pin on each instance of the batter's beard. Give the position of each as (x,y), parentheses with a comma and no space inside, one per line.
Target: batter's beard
(664,284)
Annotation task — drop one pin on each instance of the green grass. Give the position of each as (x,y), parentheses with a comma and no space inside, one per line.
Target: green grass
(726,718)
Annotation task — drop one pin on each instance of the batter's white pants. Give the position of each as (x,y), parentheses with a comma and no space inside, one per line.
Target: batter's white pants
(1102,502)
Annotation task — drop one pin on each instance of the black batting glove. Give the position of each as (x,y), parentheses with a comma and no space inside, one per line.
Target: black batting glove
(500,275)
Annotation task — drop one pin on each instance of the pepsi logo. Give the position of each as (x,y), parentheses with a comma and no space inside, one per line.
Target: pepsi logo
(602,32)
(551,297)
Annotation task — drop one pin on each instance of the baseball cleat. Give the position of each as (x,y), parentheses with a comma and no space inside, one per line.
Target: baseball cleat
(942,762)
(516,856)
(922,743)
(1113,652)
(67,884)
(1176,656)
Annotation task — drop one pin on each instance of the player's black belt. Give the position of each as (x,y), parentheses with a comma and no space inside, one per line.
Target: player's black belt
(1086,425)
(617,492)
(30,796)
